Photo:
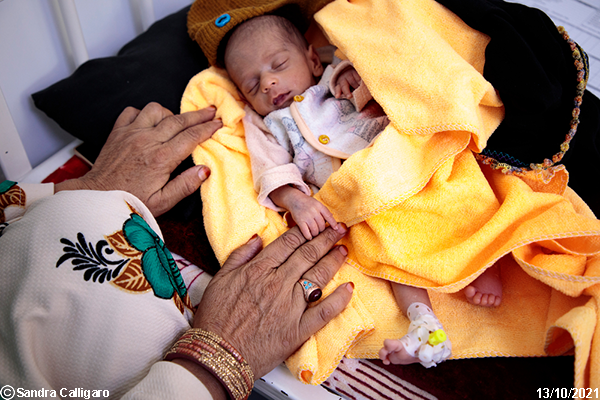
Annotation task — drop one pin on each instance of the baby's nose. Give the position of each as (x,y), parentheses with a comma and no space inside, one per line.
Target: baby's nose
(269,82)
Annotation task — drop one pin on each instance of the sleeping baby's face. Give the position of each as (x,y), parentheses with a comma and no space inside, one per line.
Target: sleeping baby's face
(270,70)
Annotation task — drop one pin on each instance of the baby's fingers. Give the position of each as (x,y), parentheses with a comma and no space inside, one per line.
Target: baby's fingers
(345,87)
(337,91)
(328,216)
(316,225)
(305,229)
(354,79)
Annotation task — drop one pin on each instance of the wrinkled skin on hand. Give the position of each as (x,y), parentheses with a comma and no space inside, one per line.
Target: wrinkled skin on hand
(256,303)
(142,151)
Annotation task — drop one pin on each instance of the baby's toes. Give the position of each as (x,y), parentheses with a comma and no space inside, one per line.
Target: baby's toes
(489,300)
(486,300)
(495,301)
(383,355)
(470,291)
(473,296)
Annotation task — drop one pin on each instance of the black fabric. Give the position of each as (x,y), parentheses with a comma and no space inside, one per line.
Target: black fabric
(155,66)
(531,66)
(527,61)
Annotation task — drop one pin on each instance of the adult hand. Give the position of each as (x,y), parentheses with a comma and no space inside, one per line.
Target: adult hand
(143,149)
(257,305)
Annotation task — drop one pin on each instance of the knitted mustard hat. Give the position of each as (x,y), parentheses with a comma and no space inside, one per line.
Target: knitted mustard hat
(210,20)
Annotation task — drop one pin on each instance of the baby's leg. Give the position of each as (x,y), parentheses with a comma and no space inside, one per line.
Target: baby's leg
(486,291)
(426,341)
(407,295)
(393,350)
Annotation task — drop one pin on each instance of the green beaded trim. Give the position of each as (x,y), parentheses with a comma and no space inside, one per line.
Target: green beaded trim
(548,166)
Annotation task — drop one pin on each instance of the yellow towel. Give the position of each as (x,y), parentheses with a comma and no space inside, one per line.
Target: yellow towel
(232,215)
(422,210)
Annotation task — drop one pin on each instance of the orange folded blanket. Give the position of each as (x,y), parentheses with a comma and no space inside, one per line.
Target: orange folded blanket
(422,210)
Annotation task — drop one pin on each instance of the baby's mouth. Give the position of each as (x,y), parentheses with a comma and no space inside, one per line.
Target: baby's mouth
(279,100)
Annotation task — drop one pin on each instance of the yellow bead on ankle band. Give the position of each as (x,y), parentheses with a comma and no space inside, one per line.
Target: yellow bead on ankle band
(437,337)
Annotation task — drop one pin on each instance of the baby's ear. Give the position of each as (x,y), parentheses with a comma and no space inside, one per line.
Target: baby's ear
(315,61)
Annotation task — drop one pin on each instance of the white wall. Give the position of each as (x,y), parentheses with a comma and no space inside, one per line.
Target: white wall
(34,53)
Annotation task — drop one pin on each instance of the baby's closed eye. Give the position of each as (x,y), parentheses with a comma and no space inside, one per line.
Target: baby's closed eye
(251,87)
(279,64)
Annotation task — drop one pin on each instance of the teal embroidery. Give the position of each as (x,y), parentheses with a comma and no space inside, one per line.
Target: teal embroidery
(504,158)
(158,264)
(6,185)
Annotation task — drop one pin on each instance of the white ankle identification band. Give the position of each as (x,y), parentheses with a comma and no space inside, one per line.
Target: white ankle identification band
(426,338)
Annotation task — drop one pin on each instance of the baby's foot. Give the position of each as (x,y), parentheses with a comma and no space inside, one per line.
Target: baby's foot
(394,352)
(425,342)
(486,291)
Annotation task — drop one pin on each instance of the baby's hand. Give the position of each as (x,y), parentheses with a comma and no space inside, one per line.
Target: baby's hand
(311,216)
(346,82)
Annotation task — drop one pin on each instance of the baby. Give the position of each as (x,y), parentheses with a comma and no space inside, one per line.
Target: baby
(275,71)
(273,67)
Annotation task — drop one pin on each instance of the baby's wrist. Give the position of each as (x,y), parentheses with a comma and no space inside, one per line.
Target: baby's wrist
(285,196)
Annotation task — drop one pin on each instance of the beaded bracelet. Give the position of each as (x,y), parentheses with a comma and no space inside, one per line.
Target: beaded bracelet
(219,357)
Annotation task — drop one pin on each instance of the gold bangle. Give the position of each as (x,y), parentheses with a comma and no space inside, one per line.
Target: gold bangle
(217,356)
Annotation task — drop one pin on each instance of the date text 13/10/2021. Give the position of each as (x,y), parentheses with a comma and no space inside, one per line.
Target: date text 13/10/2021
(567,393)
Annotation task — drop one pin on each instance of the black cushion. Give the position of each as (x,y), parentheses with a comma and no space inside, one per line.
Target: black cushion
(155,66)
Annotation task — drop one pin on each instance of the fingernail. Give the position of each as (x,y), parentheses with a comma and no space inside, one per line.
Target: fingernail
(342,228)
(204,173)
(343,250)
(254,238)
(350,287)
